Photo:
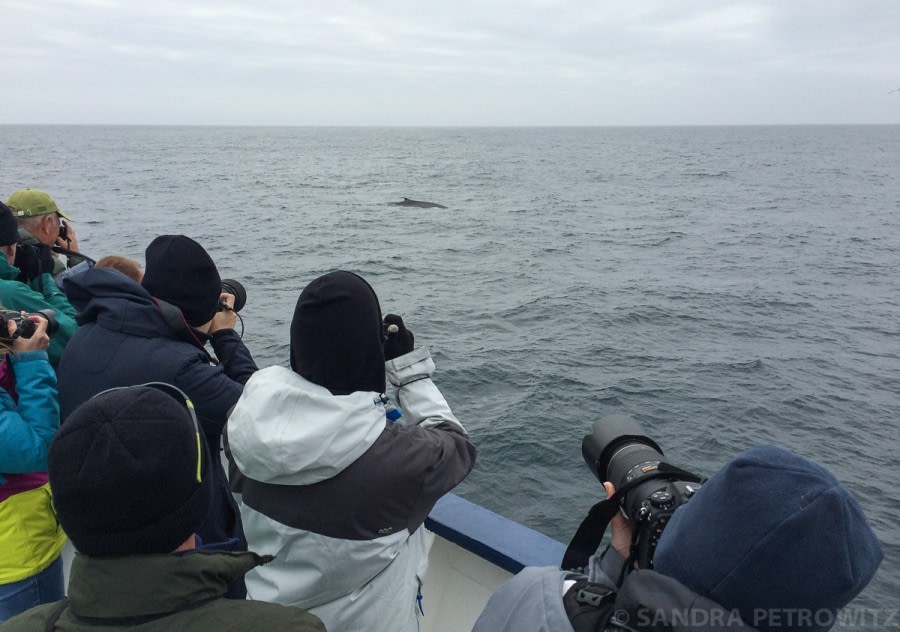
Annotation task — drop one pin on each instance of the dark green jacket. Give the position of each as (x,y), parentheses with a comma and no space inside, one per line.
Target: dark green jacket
(169,593)
(58,266)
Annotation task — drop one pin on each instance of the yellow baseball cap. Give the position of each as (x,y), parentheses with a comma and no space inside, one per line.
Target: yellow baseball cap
(33,202)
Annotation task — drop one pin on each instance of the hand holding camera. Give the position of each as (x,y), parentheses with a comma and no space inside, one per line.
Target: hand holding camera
(66,239)
(398,340)
(230,286)
(28,332)
(620,531)
(226,317)
(639,481)
(231,301)
(26,324)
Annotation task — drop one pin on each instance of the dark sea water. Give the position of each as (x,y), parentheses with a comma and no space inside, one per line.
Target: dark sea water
(726,286)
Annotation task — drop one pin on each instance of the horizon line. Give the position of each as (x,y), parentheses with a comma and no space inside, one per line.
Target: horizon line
(437,126)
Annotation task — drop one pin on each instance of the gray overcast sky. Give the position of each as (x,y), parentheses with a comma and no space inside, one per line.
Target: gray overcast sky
(459,62)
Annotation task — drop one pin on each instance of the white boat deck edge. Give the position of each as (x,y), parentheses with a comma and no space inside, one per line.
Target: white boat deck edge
(474,552)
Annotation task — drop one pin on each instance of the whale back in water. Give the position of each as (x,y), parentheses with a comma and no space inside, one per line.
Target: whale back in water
(417,203)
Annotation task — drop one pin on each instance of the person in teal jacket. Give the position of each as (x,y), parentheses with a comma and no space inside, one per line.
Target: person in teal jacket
(31,541)
(42,293)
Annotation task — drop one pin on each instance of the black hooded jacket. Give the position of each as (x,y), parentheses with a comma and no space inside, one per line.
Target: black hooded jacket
(123,340)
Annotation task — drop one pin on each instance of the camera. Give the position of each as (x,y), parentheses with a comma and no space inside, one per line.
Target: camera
(33,260)
(25,328)
(648,489)
(230,286)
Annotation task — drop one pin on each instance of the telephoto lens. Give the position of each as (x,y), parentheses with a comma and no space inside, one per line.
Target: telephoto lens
(618,450)
(616,446)
(230,286)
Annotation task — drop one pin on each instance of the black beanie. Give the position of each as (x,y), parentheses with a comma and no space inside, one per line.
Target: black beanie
(336,335)
(179,271)
(123,471)
(9,227)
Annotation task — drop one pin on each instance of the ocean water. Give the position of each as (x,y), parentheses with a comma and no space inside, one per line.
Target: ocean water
(725,286)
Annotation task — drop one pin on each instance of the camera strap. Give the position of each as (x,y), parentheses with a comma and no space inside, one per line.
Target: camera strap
(179,326)
(590,533)
(71,253)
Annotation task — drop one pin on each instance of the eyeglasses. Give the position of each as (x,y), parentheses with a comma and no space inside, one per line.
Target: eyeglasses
(179,396)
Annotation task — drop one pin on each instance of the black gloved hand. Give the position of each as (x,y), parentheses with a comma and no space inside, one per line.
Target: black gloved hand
(399,342)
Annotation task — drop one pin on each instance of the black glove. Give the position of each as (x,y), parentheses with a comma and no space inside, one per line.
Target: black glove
(399,342)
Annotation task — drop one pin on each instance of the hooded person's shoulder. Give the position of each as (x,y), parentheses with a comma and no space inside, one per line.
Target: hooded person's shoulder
(281,414)
(103,283)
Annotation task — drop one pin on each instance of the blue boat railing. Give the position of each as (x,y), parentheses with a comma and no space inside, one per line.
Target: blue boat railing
(501,541)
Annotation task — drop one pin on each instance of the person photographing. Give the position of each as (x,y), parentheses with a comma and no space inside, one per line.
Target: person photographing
(31,571)
(160,330)
(337,484)
(771,542)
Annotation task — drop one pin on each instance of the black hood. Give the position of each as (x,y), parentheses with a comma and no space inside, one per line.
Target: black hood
(336,335)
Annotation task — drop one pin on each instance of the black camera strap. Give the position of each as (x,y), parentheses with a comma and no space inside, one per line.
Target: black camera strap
(71,253)
(179,326)
(590,533)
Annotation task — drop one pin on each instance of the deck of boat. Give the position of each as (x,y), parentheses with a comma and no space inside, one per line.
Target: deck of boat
(475,550)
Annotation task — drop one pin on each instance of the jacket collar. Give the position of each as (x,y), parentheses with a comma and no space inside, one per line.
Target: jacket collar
(25,237)
(8,272)
(150,585)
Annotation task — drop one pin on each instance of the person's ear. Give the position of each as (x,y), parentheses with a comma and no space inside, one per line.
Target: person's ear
(47,223)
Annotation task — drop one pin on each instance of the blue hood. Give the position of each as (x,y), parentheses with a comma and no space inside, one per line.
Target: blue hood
(772,535)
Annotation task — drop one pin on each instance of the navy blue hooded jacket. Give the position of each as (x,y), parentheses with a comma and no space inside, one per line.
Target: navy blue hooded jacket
(123,340)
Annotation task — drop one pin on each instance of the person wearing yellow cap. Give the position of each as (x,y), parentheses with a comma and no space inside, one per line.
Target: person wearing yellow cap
(42,293)
(41,222)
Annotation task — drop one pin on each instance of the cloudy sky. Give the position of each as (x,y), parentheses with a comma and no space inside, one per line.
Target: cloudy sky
(450,62)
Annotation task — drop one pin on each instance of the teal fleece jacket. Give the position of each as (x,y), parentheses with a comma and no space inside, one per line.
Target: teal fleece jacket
(18,296)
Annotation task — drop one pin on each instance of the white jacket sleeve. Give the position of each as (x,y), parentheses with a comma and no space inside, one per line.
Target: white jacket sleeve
(421,401)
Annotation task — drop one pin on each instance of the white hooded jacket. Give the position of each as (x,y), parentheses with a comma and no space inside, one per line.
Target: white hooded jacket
(338,494)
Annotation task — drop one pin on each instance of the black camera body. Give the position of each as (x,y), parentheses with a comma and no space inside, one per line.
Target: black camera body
(25,328)
(33,260)
(649,489)
(653,514)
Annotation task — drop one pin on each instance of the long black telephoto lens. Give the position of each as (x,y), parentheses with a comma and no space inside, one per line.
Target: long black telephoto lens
(616,445)
(230,286)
